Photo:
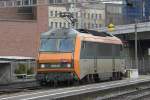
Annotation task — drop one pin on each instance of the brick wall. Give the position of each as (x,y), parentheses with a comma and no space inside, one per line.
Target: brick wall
(21,38)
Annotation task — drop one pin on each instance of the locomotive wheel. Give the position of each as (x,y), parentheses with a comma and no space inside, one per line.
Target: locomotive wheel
(42,83)
(117,76)
(88,79)
(76,82)
(55,83)
(92,78)
(96,78)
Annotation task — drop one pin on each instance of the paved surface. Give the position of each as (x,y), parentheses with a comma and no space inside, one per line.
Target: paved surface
(62,92)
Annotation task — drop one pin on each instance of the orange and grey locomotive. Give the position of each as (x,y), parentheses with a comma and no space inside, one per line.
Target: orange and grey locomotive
(76,55)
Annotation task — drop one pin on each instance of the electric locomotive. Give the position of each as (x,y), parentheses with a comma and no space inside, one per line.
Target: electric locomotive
(67,54)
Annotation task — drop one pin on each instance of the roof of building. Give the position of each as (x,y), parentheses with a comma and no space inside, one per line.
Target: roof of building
(4,62)
(16,58)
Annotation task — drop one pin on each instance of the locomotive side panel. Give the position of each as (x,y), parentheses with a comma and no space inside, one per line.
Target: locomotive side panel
(87,55)
(118,65)
(100,58)
(86,67)
(104,68)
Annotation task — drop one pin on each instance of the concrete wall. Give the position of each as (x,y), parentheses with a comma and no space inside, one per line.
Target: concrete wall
(21,37)
(114,14)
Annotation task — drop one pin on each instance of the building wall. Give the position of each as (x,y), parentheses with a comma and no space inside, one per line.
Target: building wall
(136,10)
(114,14)
(21,37)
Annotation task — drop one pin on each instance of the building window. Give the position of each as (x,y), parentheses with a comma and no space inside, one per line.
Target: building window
(33,1)
(100,25)
(59,1)
(64,25)
(51,13)
(88,15)
(25,2)
(92,25)
(96,16)
(81,15)
(55,13)
(68,25)
(77,24)
(56,25)
(59,13)
(88,25)
(92,16)
(76,15)
(60,25)
(100,16)
(51,1)
(96,25)
(84,25)
(51,24)
(84,15)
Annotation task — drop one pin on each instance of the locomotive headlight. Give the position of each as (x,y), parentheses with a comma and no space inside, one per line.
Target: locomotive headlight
(42,65)
(68,65)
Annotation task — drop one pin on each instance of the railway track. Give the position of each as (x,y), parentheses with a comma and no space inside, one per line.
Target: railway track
(29,87)
(129,89)
(132,93)
(135,89)
(19,87)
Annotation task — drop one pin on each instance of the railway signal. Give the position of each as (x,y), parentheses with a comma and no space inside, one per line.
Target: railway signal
(111,27)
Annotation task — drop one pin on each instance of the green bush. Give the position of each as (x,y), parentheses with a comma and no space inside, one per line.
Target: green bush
(21,69)
(30,71)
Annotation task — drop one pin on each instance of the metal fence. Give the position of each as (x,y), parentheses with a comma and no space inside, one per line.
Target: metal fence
(23,70)
(17,70)
(143,65)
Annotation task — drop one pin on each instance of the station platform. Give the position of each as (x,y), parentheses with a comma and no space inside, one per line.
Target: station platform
(77,91)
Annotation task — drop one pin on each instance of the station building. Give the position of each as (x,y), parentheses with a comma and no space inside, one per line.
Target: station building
(20,28)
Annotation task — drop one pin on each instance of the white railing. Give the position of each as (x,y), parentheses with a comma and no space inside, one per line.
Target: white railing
(17,3)
(25,3)
(129,28)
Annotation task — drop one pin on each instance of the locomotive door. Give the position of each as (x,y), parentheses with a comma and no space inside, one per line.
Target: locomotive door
(95,64)
(95,58)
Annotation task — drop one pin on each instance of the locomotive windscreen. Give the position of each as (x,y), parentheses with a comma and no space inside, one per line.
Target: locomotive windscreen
(57,45)
(58,40)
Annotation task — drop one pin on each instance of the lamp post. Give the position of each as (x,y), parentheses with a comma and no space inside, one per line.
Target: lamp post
(136,53)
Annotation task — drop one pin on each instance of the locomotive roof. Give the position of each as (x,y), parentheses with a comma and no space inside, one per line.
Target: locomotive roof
(95,33)
(96,36)
(87,35)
